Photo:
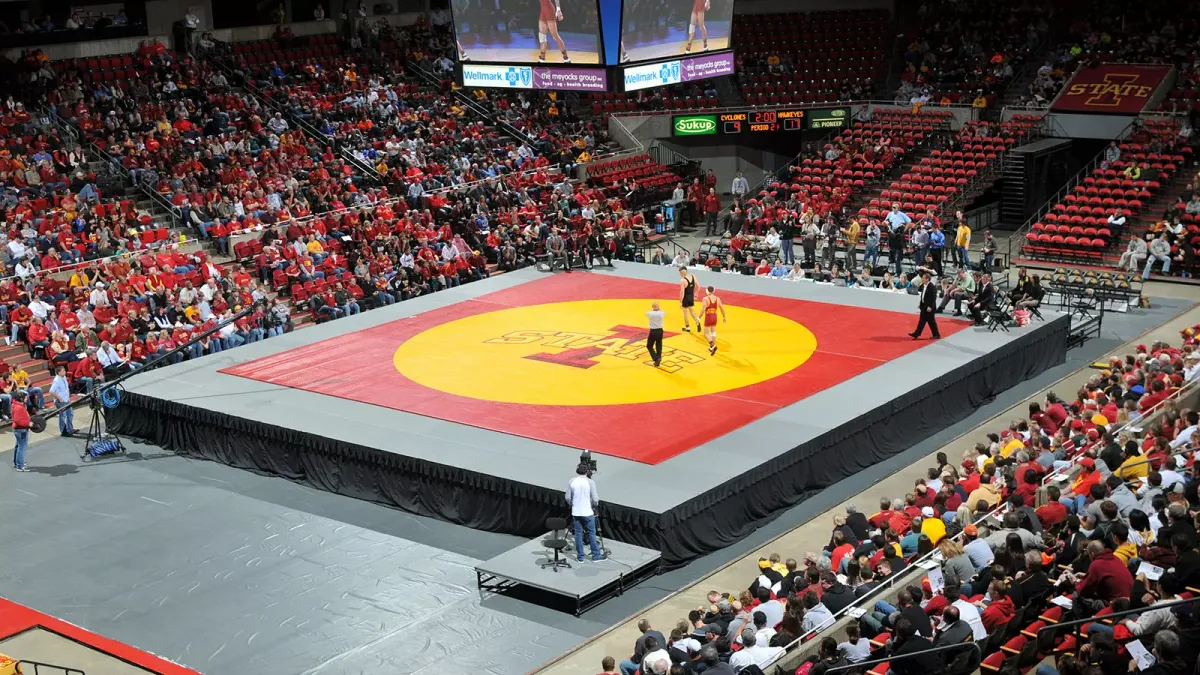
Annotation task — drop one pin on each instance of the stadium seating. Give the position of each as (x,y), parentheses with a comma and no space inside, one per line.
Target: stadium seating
(1076,282)
(652,178)
(1076,229)
(861,155)
(295,216)
(961,52)
(946,173)
(810,57)
(683,98)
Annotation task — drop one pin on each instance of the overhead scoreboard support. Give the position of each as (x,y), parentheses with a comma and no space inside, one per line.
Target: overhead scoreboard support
(760,121)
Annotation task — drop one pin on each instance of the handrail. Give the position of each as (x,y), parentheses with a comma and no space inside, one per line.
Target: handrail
(819,105)
(60,123)
(263,98)
(1018,238)
(82,264)
(361,164)
(115,164)
(1117,469)
(963,646)
(38,665)
(154,195)
(617,121)
(1115,615)
(1039,107)
(657,148)
(150,363)
(475,107)
(1037,133)
(393,200)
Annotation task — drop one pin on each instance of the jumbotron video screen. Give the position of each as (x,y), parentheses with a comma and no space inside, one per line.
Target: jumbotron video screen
(663,29)
(527,31)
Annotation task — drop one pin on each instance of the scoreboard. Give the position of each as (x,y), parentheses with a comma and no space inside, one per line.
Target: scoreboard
(765,120)
(762,120)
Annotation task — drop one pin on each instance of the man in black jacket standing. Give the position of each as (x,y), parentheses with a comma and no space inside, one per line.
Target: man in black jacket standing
(787,232)
(928,305)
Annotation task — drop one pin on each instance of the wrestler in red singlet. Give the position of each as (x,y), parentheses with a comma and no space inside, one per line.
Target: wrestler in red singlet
(710,313)
(696,20)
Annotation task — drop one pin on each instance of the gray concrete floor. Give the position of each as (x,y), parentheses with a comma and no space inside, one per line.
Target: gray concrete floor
(226,571)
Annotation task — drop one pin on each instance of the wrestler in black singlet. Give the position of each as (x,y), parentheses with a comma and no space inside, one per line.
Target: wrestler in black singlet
(689,292)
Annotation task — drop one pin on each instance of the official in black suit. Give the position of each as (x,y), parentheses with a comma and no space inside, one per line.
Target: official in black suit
(928,305)
(983,300)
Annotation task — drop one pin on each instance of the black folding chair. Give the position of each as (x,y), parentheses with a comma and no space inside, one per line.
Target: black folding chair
(998,316)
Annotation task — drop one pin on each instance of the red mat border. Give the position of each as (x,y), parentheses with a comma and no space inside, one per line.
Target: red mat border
(16,618)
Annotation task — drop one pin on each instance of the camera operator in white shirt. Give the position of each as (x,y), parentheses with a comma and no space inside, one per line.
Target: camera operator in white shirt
(583,500)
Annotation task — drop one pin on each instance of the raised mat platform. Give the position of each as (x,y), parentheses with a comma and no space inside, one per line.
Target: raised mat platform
(471,405)
(581,585)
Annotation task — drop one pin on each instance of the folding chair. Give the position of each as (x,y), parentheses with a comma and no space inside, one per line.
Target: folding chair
(998,316)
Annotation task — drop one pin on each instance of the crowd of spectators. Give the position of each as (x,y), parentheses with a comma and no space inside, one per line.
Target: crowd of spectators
(79,20)
(1098,32)
(1046,521)
(964,52)
(868,249)
(251,159)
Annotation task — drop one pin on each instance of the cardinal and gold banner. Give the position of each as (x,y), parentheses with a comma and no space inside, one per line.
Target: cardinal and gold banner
(1111,88)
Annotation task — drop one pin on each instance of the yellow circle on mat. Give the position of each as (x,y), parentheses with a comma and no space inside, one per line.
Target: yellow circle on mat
(593,352)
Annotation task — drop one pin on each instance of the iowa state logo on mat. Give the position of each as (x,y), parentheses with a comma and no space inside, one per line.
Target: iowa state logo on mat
(592,352)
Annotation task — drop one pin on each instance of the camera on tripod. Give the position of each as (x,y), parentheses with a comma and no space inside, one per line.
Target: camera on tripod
(585,459)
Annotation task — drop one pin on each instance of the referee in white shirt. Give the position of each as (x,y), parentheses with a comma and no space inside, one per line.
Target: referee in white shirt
(654,340)
(582,498)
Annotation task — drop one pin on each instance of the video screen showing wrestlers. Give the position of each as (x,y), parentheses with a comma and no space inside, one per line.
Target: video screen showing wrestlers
(527,31)
(660,29)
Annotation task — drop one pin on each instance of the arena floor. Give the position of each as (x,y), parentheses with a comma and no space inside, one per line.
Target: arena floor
(222,570)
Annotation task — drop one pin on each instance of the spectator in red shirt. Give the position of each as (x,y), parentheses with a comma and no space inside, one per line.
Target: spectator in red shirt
(20,426)
(1157,394)
(1000,610)
(1106,580)
(1055,409)
(37,335)
(1053,512)
(712,208)
(841,549)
